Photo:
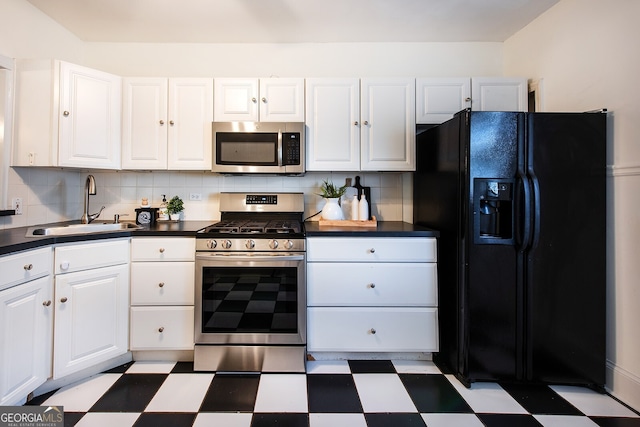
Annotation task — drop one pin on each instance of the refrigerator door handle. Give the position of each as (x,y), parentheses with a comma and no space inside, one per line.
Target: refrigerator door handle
(535,211)
(525,216)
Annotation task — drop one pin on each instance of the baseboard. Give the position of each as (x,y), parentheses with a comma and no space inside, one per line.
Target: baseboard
(163,356)
(623,385)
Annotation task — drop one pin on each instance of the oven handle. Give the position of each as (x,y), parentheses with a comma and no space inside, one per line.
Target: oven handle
(250,257)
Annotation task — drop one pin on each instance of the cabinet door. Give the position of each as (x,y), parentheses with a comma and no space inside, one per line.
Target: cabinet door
(144,123)
(282,100)
(388,124)
(26,320)
(91,318)
(333,128)
(438,99)
(235,100)
(90,115)
(190,117)
(499,94)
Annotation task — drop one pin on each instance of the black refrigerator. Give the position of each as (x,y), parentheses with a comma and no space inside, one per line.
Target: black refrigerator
(519,200)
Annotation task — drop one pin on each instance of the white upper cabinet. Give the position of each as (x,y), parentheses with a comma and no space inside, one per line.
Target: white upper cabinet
(499,94)
(259,100)
(388,116)
(438,99)
(167,123)
(333,124)
(66,115)
(355,125)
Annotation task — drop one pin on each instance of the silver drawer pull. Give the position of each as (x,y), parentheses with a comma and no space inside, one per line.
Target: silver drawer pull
(372,250)
(161,250)
(46,303)
(372,331)
(161,329)
(28,267)
(63,300)
(371,285)
(161,284)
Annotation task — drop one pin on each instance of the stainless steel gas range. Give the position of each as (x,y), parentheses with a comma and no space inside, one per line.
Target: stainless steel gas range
(250,286)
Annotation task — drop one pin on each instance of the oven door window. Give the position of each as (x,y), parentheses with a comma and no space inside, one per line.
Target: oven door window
(247,149)
(249,300)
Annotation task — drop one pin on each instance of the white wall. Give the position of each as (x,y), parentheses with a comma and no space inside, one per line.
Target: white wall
(585,52)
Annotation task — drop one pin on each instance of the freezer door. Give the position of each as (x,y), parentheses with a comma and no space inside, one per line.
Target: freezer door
(565,263)
(492,285)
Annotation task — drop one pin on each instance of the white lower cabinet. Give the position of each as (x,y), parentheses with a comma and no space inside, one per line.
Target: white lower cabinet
(371,294)
(26,320)
(162,293)
(91,304)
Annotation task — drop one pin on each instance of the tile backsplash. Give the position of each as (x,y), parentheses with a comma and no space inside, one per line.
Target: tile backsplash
(52,195)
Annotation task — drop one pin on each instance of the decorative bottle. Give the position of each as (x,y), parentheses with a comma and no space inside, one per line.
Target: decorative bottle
(363,214)
(355,208)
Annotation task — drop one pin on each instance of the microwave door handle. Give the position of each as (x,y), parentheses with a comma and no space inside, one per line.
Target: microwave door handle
(280,147)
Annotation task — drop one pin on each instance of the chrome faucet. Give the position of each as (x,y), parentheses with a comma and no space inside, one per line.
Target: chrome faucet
(89,189)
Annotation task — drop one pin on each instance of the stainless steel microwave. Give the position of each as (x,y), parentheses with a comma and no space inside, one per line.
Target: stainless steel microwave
(261,148)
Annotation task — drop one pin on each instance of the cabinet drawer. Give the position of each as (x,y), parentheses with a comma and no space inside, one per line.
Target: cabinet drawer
(163,249)
(367,284)
(372,329)
(157,328)
(372,249)
(84,256)
(162,283)
(24,266)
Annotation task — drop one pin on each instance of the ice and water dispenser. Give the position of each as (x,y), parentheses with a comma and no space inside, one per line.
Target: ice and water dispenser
(493,211)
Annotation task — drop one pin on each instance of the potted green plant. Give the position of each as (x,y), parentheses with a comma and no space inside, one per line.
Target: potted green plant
(331,193)
(174,207)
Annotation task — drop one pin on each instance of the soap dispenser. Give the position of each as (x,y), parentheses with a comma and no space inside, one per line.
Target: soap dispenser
(163,214)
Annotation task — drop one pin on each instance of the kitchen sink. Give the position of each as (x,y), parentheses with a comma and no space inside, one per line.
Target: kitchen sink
(71,229)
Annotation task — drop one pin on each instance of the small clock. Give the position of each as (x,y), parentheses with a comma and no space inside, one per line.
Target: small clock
(146,216)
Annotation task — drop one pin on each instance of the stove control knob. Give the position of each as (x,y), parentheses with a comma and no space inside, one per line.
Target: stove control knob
(226,244)
(273,244)
(211,244)
(288,244)
(250,244)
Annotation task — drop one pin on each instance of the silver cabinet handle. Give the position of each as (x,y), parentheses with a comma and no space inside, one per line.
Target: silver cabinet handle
(253,100)
(161,122)
(264,100)
(161,284)
(467,100)
(161,329)
(355,123)
(161,250)
(372,250)
(28,267)
(372,331)
(63,300)
(366,123)
(371,285)
(171,122)
(65,113)
(46,303)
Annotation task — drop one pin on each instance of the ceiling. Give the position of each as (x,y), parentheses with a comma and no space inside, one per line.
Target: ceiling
(292,21)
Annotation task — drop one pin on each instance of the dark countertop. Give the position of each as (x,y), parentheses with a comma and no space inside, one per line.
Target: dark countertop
(14,239)
(383,229)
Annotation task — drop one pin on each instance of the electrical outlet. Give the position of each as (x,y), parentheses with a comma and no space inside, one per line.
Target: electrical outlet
(16,205)
(195,196)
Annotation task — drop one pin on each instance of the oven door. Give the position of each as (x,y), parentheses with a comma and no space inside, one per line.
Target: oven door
(250,298)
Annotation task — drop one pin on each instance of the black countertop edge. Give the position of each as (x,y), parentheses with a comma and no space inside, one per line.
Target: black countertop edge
(383,229)
(15,240)
(7,212)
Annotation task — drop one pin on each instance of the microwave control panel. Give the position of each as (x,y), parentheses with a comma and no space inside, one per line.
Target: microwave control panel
(291,148)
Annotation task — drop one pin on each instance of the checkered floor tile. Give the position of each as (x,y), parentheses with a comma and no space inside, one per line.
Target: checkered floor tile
(351,393)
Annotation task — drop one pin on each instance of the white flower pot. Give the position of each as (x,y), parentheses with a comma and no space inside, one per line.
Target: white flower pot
(175,216)
(332,210)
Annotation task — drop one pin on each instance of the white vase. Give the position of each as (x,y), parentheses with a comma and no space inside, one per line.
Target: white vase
(332,210)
